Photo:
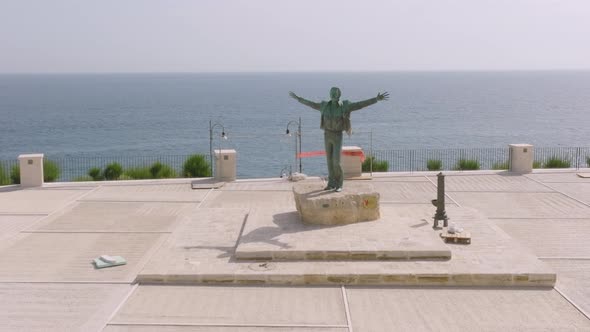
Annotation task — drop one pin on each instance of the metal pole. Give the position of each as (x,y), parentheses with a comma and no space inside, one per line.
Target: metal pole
(299,155)
(371,149)
(211,147)
(440,214)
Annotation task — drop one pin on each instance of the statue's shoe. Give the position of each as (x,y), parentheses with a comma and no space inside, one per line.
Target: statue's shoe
(328,188)
(338,190)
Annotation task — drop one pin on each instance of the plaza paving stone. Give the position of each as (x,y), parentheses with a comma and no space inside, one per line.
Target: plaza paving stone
(458,309)
(58,307)
(551,237)
(147,193)
(522,205)
(57,287)
(196,305)
(93,216)
(37,200)
(59,257)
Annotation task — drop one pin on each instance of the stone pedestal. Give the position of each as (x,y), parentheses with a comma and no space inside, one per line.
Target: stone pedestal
(355,203)
(31,170)
(350,161)
(225,165)
(521,158)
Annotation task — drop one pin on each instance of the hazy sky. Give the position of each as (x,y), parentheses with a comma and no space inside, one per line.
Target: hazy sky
(295,35)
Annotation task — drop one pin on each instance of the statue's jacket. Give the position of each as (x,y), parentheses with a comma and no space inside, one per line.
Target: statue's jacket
(338,118)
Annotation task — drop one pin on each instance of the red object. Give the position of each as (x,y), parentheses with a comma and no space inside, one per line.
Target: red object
(323,153)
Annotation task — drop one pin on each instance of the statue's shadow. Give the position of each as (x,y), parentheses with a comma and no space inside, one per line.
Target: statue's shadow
(286,223)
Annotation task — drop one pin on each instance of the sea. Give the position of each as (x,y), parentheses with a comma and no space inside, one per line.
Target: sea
(169,114)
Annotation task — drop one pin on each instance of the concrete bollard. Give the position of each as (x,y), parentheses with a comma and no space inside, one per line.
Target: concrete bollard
(31,170)
(225,165)
(521,158)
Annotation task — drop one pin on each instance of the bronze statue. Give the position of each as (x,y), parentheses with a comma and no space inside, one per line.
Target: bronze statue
(335,120)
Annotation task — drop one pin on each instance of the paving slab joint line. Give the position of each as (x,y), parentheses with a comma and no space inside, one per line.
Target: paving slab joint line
(74,282)
(326,326)
(572,303)
(96,232)
(558,191)
(133,201)
(565,258)
(447,195)
(61,208)
(204,198)
(125,298)
(346,309)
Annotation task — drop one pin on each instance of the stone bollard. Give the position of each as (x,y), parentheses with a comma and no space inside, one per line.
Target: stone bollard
(521,158)
(31,170)
(350,161)
(225,165)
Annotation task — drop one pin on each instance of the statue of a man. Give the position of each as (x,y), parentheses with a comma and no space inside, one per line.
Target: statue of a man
(335,120)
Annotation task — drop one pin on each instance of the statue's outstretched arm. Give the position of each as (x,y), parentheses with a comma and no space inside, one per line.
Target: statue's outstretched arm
(362,104)
(308,103)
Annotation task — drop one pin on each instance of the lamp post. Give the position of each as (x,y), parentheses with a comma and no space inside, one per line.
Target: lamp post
(297,142)
(223,135)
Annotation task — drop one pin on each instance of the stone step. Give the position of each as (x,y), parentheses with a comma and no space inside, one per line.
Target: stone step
(284,237)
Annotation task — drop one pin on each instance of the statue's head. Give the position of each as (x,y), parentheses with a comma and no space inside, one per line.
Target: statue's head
(335,94)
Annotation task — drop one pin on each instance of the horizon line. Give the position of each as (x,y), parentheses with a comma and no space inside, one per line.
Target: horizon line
(297,72)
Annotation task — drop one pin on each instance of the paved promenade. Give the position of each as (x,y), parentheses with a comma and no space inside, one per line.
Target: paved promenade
(528,267)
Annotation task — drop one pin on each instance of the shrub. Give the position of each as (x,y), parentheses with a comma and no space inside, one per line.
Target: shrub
(95,173)
(138,173)
(434,165)
(84,178)
(15,174)
(196,166)
(467,165)
(113,171)
(51,171)
(378,165)
(4,178)
(555,162)
(588,161)
(162,171)
(502,165)
(537,164)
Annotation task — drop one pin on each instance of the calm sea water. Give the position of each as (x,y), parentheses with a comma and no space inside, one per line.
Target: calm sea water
(169,114)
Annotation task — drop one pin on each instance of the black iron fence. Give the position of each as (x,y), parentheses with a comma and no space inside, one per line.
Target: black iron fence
(406,160)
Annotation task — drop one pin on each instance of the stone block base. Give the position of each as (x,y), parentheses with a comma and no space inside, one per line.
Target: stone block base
(355,203)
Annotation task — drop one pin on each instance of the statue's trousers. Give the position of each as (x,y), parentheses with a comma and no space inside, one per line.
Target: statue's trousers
(333,142)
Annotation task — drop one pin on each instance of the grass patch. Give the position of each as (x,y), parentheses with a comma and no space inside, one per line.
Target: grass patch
(537,164)
(434,164)
(555,162)
(4,177)
(138,173)
(113,171)
(51,171)
(196,166)
(83,178)
(378,165)
(588,161)
(162,171)
(467,165)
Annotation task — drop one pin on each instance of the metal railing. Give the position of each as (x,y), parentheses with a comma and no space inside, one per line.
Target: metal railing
(6,168)
(448,159)
(403,160)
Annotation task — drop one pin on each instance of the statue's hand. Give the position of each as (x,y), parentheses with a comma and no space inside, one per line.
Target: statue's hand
(293,95)
(383,96)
